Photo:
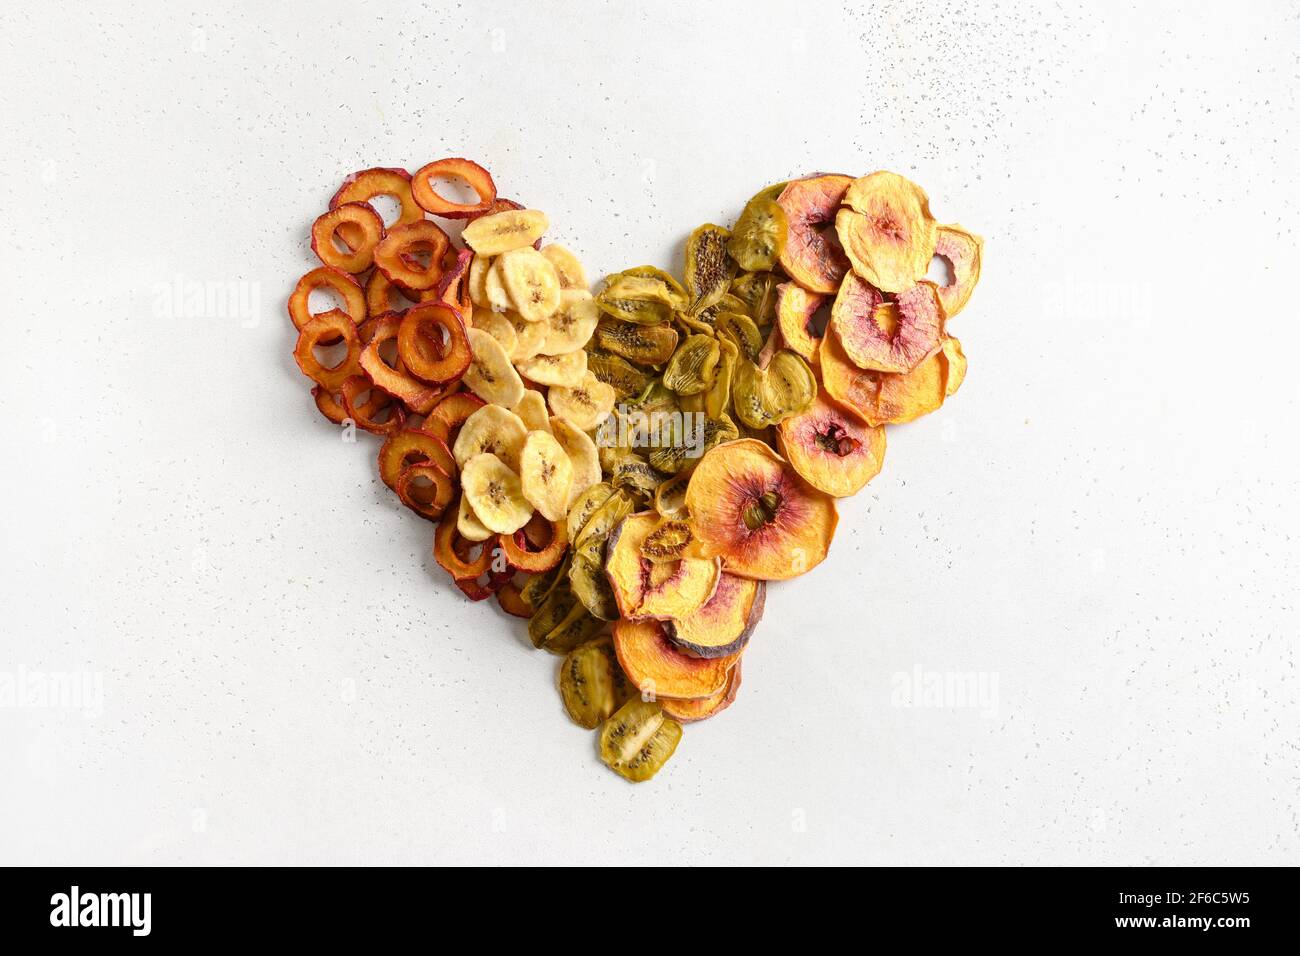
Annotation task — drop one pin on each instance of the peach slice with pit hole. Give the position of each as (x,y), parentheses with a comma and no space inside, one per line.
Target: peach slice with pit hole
(657,668)
(725,622)
(886,230)
(795,307)
(691,711)
(655,589)
(904,398)
(833,448)
(887,336)
(963,251)
(811,258)
(752,509)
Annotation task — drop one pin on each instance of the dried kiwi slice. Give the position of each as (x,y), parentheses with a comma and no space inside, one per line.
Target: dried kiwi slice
(633,474)
(618,373)
(554,611)
(717,400)
(643,344)
(672,459)
(540,586)
(690,370)
(638,740)
(645,296)
(708,269)
(759,236)
(577,627)
(765,397)
(742,331)
(758,292)
(588,582)
(592,684)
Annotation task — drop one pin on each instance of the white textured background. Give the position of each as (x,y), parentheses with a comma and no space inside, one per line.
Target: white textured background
(1104,521)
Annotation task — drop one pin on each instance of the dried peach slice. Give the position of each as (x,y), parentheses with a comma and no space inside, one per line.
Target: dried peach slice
(887,336)
(963,251)
(592,684)
(656,589)
(887,231)
(844,381)
(795,307)
(751,508)
(809,257)
(691,711)
(638,740)
(478,178)
(366,229)
(905,397)
(412,255)
(657,668)
(725,622)
(956,360)
(833,448)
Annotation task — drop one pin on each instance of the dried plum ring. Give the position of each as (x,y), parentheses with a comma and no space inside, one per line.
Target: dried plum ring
(367,229)
(478,178)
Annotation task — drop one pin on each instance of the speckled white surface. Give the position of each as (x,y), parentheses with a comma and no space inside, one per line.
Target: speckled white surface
(1102,525)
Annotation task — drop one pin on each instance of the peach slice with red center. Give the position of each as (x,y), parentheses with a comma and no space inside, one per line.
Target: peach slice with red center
(657,668)
(887,336)
(795,307)
(644,588)
(833,448)
(809,257)
(752,509)
(725,622)
(963,250)
(886,230)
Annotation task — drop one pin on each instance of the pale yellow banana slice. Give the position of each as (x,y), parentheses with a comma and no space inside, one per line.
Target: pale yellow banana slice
(567,267)
(546,475)
(492,429)
(494,290)
(490,375)
(582,452)
(479,267)
(567,370)
(530,337)
(583,406)
(467,523)
(572,324)
(530,281)
(502,231)
(499,327)
(532,411)
(494,492)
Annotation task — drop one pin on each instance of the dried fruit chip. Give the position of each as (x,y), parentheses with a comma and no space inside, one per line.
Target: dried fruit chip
(887,336)
(582,452)
(708,269)
(567,371)
(905,397)
(741,330)
(646,588)
(531,282)
(572,323)
(546,475)
(373,409)
(591,587)
(529,337)
(408,447)
(752,509)
(490,375)
(619,374)
(420,397)
(767,396)
(638,740)
(963,251)
(412,255)
(467,524)
(426,489)
(643,344)
(844,381)
(691,369)
(795,307)
(531,410)
(760,235)
(500,232)
(723,625)
(592,684)
(494,430)
(567,266)
(367,228)
(584,505)
(585,405)
(670,497)
(690,711)
(433,344)
(644,295)
(447,417)
(499,327)
(343,285)
(333,326)
(809,257)
(523,554)
(470,172)
(365,185)
(657,668)
(511,599)
(886,231)
(462,558)
(494,492)
(956,360)
(832,447)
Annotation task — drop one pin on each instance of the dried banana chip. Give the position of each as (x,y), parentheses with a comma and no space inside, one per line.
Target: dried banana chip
(572,324)
(499,327)
(531,282)
(500,232)
(567,267)
(529,337)
(585,405)
(495,493)
(531,410)
(490,375)
(582,453)
(491,429)
(565,370)
(546,475)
